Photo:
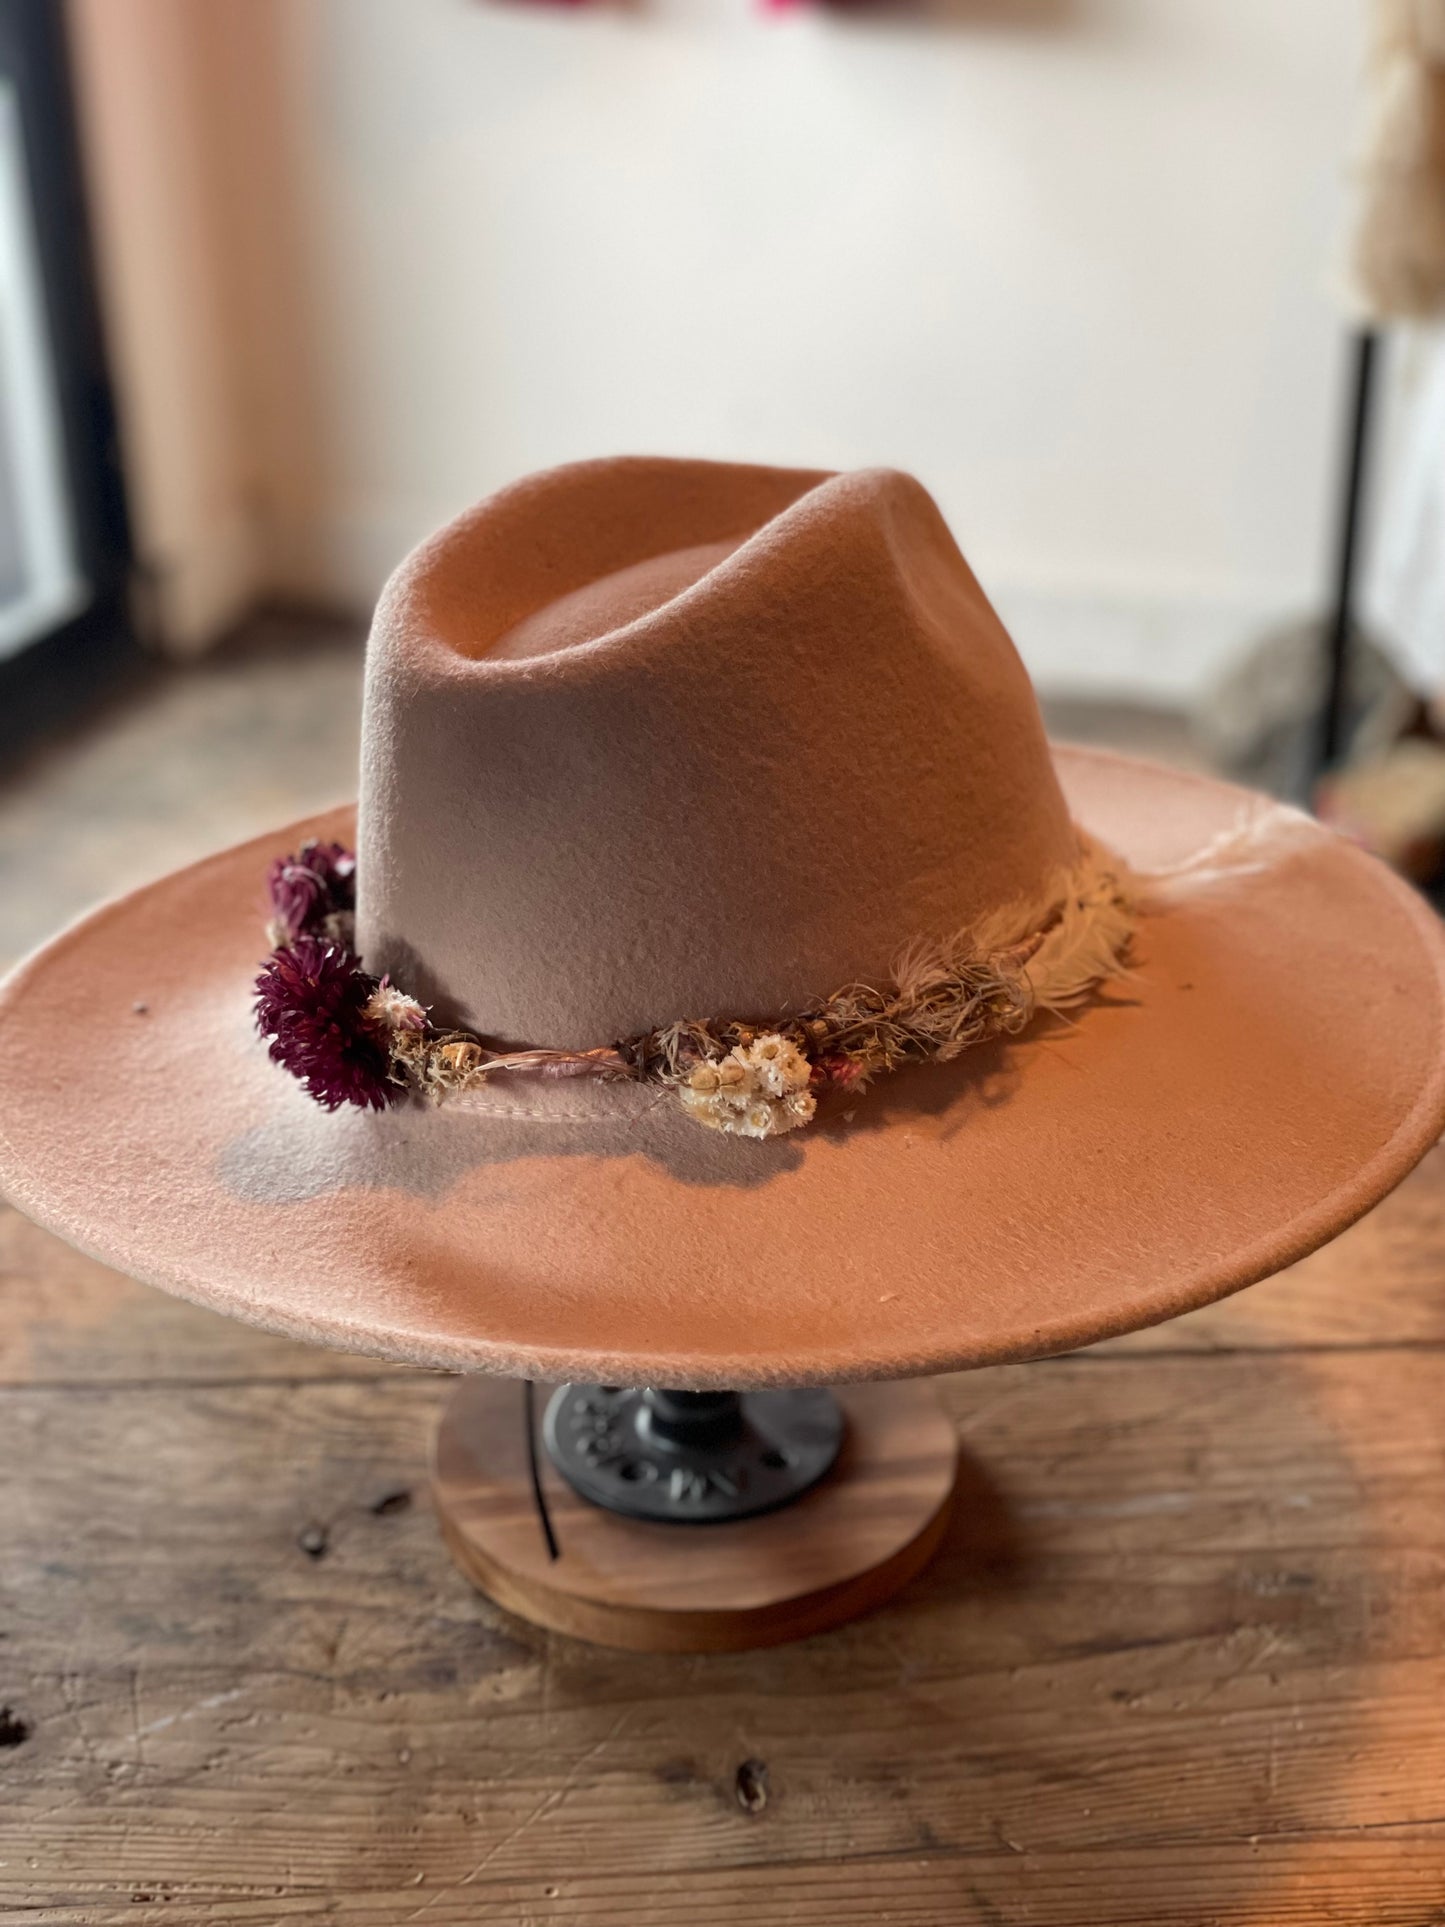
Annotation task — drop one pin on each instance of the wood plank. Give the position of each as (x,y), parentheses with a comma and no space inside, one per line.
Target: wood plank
(1189,1606)
(1389,1882)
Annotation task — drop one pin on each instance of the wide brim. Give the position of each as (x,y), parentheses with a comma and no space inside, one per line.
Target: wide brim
(1272,1068)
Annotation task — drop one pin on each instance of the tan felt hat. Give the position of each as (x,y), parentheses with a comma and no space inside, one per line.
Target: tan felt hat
(650,743)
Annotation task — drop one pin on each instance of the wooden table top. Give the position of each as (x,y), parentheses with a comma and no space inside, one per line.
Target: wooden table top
(1180,1660)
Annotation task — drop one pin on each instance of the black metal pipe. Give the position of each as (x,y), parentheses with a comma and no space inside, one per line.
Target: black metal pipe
(700,1420)
(692,1458)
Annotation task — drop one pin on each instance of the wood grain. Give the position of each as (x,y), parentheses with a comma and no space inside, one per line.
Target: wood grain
(1179,1661)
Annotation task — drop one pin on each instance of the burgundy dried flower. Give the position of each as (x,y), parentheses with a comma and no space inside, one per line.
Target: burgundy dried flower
(318,882)
(311,1001)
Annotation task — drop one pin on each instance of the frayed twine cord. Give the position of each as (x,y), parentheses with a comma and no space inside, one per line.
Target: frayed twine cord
(353,1039)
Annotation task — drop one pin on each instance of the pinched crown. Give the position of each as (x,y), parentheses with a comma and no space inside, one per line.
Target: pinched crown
(646,738)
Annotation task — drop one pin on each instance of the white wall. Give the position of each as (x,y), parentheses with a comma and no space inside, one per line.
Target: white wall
(1068,260)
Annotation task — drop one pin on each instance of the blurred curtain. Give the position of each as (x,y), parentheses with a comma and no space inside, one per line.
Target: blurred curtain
(1398,275)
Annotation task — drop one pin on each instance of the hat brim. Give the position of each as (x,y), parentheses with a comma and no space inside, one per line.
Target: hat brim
(1271,1069)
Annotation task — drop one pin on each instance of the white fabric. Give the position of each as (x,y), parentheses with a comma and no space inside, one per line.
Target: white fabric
(1406,591)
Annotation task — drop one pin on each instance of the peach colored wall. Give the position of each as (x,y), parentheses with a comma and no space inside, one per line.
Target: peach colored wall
(156,186)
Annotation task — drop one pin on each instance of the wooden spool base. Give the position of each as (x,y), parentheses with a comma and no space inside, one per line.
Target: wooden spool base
(840,1550)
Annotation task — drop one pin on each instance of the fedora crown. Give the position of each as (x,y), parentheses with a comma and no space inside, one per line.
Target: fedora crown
(647,740)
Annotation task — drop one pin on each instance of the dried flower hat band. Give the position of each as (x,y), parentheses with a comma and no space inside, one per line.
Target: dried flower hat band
(352,1038)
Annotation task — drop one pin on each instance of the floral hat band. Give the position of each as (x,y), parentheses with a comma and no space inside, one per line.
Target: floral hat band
(351,1038)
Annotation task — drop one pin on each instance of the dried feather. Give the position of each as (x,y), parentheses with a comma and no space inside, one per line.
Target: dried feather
(1084,948)
(1260,836)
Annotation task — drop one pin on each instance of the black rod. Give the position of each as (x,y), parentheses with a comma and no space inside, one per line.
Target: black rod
(1342,617)
(544,1516)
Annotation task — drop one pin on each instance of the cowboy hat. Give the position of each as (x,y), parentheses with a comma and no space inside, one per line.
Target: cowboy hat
(704,795)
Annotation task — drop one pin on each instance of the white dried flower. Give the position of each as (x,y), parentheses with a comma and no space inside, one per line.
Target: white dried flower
(393,1009)
(753,1117)
(705,1107)
(775,1063)
(758,1090)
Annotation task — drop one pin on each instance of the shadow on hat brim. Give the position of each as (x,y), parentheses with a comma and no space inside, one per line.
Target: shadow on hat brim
(1272,1068)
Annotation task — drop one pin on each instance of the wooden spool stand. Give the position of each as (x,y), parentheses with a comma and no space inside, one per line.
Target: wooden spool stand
(842,1548)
